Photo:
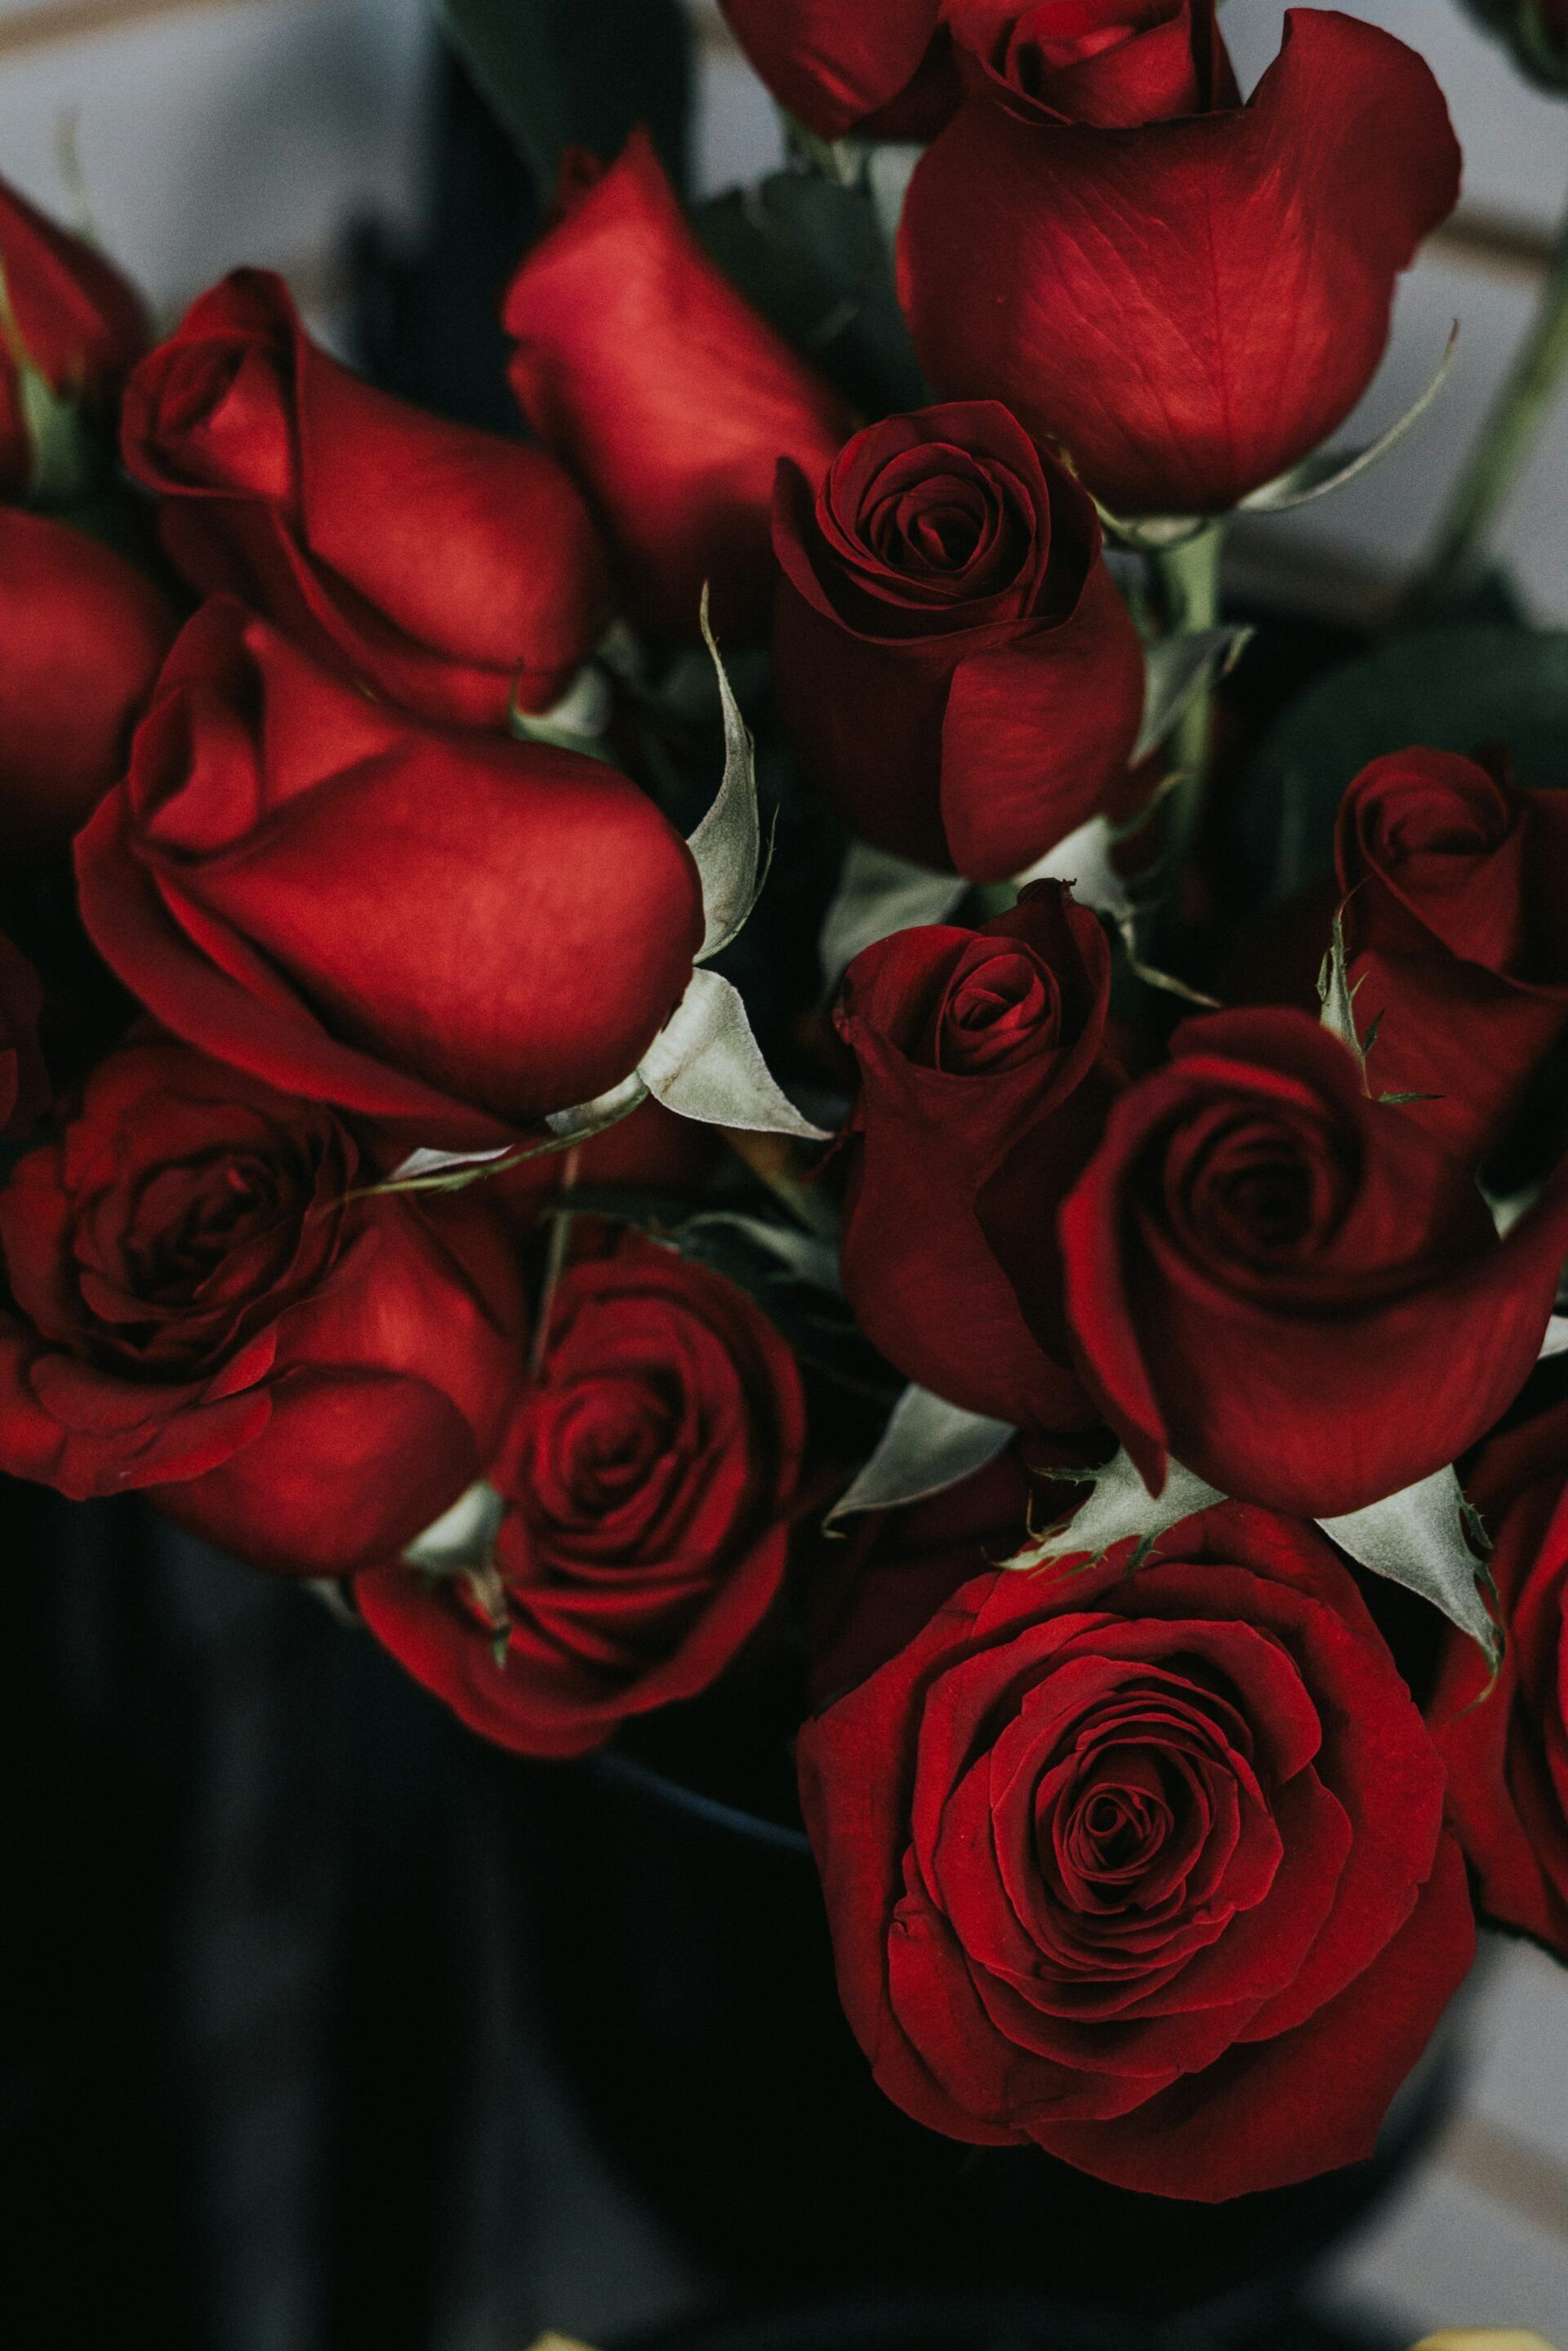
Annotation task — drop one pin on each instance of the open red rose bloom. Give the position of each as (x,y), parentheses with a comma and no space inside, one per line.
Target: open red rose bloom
(711,1058)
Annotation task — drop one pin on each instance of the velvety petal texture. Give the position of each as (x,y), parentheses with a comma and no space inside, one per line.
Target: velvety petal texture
(449,569)
(82,639)
(198,1290)
(1112,63)
(1505,1741)
(1288,1286)
(670,398)
(451,934)
(877,68)
(83,326)
(1187,309)
(1149,1867)
(652,1472)
(967,1041)
(1453,880)
(959,675)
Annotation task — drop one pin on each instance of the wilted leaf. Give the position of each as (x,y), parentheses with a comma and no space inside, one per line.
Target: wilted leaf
(928,1446)
(1420,1538)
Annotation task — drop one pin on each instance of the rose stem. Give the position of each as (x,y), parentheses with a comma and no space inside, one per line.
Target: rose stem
(1189,575)
(1500,448)
(555,1262)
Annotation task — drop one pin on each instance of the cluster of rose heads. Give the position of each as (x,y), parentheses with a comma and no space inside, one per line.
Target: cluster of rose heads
(357,967)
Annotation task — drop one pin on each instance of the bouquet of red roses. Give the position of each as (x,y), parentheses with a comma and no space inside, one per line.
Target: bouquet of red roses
(726,1032)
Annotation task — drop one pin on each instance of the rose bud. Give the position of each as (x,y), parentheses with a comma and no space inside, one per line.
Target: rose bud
(959,675)
(1453,879)
(451,934)
(881,68)
(649,1479)
(666,394)
(1116,64)
(1290,1289)
(24,1090)
(967,1040)
(79,323)
(1187,309)
(1148,1868)
(287,480)
(203,1302)
(1506,1746)
(82,638)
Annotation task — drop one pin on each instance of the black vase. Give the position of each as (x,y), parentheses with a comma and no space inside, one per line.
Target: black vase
(686,1982)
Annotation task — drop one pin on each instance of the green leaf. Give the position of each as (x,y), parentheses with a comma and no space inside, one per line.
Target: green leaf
(928,1446)
(1421,1539)
(461,1537)
(726,847)
(1337,998)
(808,253)
(706,1064)
(578,722)
(1541,50)
(879,894)
(805,1257)
(69,462)
(1118,1509)
(1177,668)
(1452,689)
(563,73)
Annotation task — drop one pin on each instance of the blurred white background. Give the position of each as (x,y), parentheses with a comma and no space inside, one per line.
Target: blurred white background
(211,132)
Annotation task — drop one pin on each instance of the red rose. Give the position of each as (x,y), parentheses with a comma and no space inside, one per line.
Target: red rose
(445,567)
(82,638)
(1507,1747)
(1147,1868)
(1189,308)
(1292,1289)
(1113,63)
(82,325)
(451,934)
(966,1041)
(193,1297)
(876,1585)
(649,1477)
(959,674)
(668,397)
(1453,879)
(23,1081)
(878,68)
